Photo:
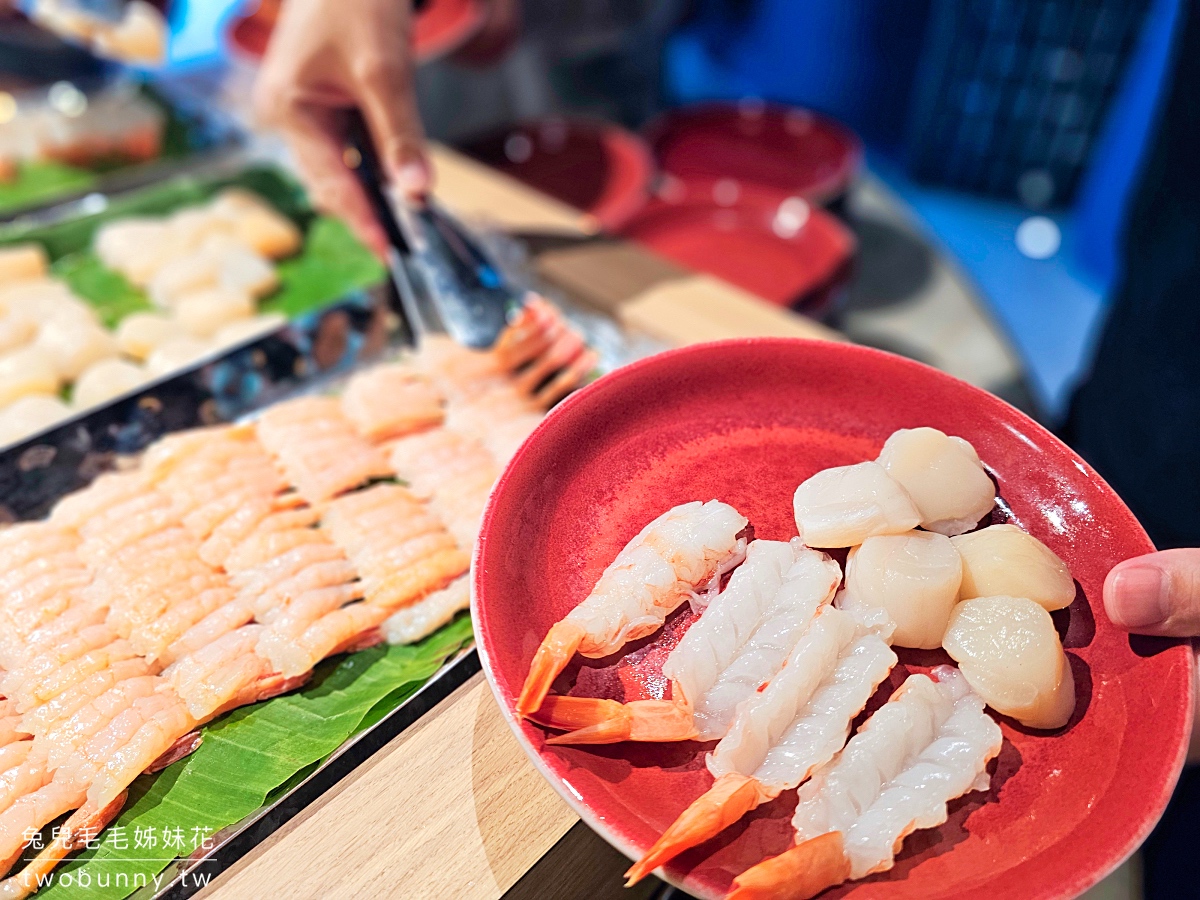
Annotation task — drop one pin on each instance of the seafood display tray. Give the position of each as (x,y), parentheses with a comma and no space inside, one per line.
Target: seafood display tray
(196,137)
(35,473)
(234,842)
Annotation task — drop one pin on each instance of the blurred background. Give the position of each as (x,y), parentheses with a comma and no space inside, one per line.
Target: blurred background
(979,153)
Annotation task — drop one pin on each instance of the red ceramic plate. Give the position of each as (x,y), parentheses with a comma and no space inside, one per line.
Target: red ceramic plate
(440,28)
(596,167)
(786,148)
(774,245)
(745,421)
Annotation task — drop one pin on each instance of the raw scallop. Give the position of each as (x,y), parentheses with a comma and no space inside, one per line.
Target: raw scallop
(1011,655)
(1003,560)
(944,477)
(843,506)
(914,577)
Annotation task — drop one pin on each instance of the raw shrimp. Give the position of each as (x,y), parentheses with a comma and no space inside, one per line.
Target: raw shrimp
(42,718)
(913,577)
(739,643)
(930,743)
(318,449)
(1009,652)
(393,400)
(66,736)
(944,477)
(843,506)
(680,551)
(428,614)
(335,632)
(784,733)
(400,552)
(1004,561)
(211,677)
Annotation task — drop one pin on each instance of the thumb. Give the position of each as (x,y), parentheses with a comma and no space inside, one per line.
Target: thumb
(1156,594)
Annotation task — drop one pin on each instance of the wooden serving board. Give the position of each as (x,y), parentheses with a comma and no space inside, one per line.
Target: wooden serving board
(452,807)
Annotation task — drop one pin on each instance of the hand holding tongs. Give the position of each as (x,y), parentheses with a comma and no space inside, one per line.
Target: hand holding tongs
(447,282)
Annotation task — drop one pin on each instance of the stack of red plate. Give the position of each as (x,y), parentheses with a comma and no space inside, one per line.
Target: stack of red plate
(741,196)
(594,166)
(778,246)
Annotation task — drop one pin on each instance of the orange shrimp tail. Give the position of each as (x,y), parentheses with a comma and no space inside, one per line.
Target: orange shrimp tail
(82,827)
(590,721)
(798,874)
(551,658)
(184,746)
(730,798)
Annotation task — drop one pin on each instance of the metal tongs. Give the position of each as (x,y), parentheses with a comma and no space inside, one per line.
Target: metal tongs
(447,282)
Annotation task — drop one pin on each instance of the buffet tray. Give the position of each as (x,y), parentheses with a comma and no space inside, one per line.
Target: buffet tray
(196,136)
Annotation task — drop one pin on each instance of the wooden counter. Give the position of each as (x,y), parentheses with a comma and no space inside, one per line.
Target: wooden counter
(452,807)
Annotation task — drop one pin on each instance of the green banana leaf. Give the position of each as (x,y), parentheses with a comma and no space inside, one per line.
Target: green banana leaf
(331,264)
(248,757)
(43,182)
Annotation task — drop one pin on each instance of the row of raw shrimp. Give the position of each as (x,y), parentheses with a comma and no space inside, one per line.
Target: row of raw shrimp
(228,563)
(781,662)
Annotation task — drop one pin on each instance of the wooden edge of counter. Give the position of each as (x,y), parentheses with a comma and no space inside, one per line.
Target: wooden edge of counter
(399,827)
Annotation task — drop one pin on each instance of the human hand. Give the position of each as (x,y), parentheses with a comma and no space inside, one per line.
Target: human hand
(326,58)
(1158,594)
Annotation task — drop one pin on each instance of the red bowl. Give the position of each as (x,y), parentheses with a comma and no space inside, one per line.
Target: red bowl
(440,28)
(776,246)
(745,421)
(782,147)
(597,167)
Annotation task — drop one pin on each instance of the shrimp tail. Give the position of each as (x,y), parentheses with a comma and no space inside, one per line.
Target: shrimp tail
(184,746)
(797,874)
(76,833)
(550,659)
(589,721)
(731,797)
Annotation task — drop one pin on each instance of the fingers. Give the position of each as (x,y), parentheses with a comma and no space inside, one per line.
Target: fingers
(1156,594)
(317,139)
(389,104)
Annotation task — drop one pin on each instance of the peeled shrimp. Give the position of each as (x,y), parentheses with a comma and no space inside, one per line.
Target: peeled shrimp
(942,475)
(913,577)
(930,743)
(393,400)
(785,732)
(428,614)
(318,449)
(400,552)
(681,550)
(740,642)
(1010,654)
(1004,561)
(843,506)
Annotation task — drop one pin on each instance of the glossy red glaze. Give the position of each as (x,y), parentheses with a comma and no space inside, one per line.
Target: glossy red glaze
(596,167)
(751,237)
(440,28)
(791,150)
(745,421)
